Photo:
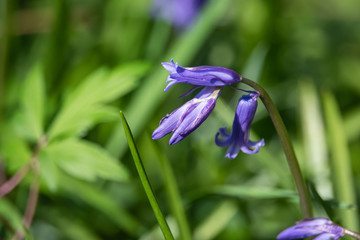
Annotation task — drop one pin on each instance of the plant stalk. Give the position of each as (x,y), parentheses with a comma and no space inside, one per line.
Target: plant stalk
(352,234)
(287,146)
(145,181)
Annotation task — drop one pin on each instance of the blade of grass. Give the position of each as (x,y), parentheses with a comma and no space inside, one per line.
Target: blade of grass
(157,41)
(341,162)
(319,200)
(317,165)
(145,181)
(174,194)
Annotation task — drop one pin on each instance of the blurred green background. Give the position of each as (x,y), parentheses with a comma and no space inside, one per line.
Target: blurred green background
(68,66)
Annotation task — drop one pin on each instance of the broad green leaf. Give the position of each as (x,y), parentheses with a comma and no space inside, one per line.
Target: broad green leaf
(49,171)
(75,112)
(10,214)
(82,106)
(84,160)
(33,101)
(87,118)
(13,148)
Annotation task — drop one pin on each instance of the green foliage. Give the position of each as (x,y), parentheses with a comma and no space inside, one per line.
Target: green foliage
(80,159)
(9,212)
(253,192)
(33,104)
(84,106)
(102,202)
(340,162)
(68,67)
(13,148)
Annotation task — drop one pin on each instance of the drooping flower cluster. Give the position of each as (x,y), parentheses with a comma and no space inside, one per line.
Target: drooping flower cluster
(322,228)
(188,117)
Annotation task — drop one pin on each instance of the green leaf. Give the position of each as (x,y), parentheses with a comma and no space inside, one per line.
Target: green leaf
(253,192)
(255,63)
(33,101)
(13,148)
(82,107)
(84,160)
(316,164)
(351,124)
(11,214)
(342,173)
(145,181)
(49,170)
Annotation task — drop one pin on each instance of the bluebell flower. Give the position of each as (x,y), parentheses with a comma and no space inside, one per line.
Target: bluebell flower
(189,116)
(180,13)
(323,228)
(208,76)
(238,139)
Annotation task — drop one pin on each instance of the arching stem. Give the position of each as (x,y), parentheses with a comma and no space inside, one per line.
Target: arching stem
(287,146)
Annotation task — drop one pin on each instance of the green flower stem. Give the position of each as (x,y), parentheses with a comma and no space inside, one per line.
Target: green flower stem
(145,181)
(352,234)
(287,146)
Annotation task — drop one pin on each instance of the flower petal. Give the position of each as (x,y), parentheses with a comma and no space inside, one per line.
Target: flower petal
(227,139)
(170,66)
(189,116)
(239,137)
(209,76)
(255,145)
(309,227)
(326,236)
(170,122)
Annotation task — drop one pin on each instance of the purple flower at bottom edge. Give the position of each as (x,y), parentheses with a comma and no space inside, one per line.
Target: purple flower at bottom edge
(189,116)
(209,76)
(323,228)
(239,137)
